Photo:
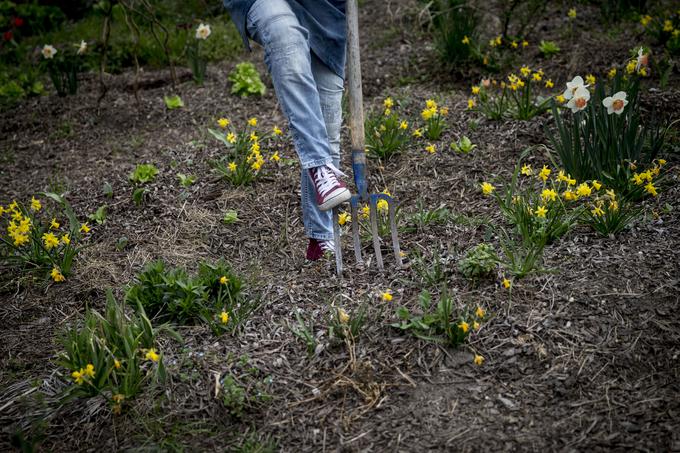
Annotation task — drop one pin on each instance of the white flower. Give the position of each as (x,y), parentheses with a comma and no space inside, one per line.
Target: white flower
(616,103)
(642,59)
(576,83)
(83,48)
(580,99)
(48,51)
(203,31)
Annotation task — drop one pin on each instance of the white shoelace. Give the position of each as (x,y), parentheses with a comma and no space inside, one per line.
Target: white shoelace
(326,180)
(327,246)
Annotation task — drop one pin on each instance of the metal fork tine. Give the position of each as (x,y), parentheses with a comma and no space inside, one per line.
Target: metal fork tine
(354,203)
(338,245)
(373,214)
(392,213)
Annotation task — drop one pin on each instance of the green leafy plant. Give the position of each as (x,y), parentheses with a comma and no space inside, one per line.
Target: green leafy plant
(424,217)
(246,80)
(19,82)
(213,297)
(173,102)
(36,241)
(479,261)
(386,133)
(143,173)
(230,216)
(138,195)
(113,355)
(99,216)
(244,388)
(463,145)
(440,323)
(107,190)
(186,181)
(548,48)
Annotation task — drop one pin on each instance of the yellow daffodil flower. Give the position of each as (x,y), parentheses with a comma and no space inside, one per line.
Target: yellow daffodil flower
(152,355)
(35,204)
(343,317)
(487,188)
(57,276)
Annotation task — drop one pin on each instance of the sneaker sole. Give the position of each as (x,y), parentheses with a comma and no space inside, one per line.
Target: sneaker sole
(340,198)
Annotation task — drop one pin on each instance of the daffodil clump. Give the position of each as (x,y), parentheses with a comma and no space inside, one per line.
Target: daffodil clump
(604,136)
(345,326)
(456,35)
(434,117)
(197,62)
(665,28)
(608,213)
(445,322)
(386,132)
(112,354)
(517,96)
(63,65)
(541,204)
(245,159)
(41,239)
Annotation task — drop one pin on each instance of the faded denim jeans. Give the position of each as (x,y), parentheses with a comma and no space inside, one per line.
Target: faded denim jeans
(310,95)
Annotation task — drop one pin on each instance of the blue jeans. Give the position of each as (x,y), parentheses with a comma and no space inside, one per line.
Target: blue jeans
(310,95)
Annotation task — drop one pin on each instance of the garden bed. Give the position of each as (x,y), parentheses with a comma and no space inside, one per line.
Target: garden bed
(582,356)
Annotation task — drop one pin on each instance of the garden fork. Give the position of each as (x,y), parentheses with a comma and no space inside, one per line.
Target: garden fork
(356,126)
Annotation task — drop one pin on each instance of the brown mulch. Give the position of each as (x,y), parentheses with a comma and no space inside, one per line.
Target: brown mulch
(581,357)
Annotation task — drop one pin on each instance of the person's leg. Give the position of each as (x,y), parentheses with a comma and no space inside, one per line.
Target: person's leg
(318,223)
(274,25)
(309,94)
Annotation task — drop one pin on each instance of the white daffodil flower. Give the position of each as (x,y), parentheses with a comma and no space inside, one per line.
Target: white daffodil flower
(49,51)
(579,100)
(572,86)
(642,59)
(203,31)
(615,103)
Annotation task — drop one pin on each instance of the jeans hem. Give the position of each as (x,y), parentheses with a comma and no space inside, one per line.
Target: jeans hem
(316,163)
(321,236)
